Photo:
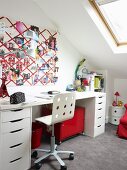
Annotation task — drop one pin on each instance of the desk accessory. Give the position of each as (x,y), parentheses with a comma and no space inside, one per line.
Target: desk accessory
(17,98)
(53,92)
(3,88)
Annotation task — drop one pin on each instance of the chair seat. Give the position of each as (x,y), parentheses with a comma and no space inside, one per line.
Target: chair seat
(45,119)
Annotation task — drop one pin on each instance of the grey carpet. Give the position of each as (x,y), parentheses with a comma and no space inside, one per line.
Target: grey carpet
(105,152)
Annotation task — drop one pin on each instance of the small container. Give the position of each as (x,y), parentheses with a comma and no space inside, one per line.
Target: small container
(36,135)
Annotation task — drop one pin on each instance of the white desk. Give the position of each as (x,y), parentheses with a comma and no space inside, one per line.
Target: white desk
(15,126)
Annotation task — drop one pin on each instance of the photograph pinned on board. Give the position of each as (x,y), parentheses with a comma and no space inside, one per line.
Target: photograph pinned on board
(31,53)
(35,29)
(9,45)
(2,52)
(2,27)
(56,69)
(26,75)
(52,43)
(20,54)
(31,35)
(50,76)
(36,78)
(1,38)
(19,82)
(55,79)
(19,40)
(55,58)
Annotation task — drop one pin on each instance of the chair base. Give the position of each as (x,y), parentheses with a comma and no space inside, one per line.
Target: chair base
(55,154)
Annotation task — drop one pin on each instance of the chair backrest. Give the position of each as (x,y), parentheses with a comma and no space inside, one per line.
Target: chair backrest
(63,107)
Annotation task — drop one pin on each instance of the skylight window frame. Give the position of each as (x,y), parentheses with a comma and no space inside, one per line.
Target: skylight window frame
(102,17)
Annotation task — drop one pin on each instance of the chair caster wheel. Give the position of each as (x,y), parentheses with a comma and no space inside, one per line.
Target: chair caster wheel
(38,165)
(63,167)
(71,156)
(58,142)
(34,154)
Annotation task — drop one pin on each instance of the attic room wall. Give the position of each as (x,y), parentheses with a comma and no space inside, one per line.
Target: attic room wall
(120,85)
(29,13)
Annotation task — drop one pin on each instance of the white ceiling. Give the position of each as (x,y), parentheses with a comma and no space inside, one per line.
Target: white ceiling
(72,20)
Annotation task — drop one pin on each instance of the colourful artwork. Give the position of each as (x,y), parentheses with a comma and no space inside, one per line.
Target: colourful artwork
(28,54)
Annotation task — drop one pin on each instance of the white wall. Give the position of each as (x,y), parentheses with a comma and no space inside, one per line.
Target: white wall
(109,92)
(26,11)
(120,85)
(29,13)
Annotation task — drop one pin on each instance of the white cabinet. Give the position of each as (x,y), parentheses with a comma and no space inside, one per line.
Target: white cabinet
(99,123)
(115,114)
(15,139)
(94,114)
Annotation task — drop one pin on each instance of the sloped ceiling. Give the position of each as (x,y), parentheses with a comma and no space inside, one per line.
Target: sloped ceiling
(72,20)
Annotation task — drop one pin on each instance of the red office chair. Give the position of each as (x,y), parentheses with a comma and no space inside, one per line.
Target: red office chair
(122,127)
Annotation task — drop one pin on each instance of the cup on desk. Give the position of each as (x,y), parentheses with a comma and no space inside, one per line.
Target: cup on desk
(87,88)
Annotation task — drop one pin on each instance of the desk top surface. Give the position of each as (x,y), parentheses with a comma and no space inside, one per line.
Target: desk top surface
(41,100)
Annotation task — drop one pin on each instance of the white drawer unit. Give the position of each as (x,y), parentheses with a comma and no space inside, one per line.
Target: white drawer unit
(99,122)
(115,113)
(94,114)
(15,140)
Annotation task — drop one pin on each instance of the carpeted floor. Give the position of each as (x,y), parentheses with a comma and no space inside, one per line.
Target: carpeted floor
(105,152)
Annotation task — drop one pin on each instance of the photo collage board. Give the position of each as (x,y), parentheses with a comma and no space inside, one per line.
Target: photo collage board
(28,54)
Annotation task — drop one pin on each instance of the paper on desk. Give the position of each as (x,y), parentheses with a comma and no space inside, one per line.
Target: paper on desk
(44,96)
(30,99)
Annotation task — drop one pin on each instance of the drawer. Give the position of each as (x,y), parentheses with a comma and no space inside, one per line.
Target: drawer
(99,120)
(16,137)
(14,152)
(114,120)
(118,112)
(100,105)
(11,115)
(14,125)
(99,130)
(21,163)
(99,111)
(100,99)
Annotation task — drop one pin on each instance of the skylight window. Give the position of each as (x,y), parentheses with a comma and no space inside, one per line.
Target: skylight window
(114,15)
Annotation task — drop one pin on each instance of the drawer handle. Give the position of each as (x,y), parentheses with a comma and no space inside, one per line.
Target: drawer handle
(15,160)
(100,103)
(100,96)
(100,109)
(16,145)
(99,126)
(12,121)
(16,110)
(16,131)
(100,117)
(115,111)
